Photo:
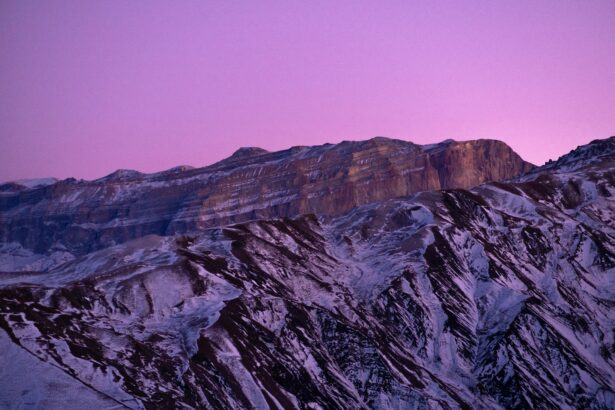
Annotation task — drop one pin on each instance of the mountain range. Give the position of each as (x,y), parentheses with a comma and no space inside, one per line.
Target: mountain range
(365,274)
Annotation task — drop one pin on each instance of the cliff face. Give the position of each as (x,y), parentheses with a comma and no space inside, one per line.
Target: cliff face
(470,163)
(251,184)
(500,296)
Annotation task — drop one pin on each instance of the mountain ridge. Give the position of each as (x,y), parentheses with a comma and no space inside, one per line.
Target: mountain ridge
(327,179)
(246,151)
(497,296)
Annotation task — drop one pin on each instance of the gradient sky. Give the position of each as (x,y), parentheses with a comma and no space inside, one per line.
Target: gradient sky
(87,87)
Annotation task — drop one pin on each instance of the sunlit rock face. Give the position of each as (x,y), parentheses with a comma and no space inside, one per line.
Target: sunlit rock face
(83,216)
(497,296)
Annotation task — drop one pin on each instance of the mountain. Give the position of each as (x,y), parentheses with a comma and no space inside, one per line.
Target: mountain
(83,216)
(498,296)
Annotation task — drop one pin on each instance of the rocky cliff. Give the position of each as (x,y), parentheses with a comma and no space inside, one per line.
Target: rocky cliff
(82,216)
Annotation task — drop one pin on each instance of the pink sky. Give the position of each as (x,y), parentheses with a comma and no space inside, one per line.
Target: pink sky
(87,87)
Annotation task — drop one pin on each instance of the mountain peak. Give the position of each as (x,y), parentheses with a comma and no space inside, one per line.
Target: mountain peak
(122,174)
(245,152)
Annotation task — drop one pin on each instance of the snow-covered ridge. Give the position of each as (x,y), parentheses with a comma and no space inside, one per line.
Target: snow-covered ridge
(583,156)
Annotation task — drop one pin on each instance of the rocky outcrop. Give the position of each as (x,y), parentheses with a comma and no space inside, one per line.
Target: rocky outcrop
(501,296)
(82,216)
(470,163)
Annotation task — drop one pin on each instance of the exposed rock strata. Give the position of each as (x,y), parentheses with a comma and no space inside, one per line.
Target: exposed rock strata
(251,184)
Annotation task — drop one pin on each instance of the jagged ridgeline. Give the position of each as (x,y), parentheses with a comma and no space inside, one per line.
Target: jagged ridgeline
(375,274)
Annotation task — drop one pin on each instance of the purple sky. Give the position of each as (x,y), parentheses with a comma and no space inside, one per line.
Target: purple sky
(87,87)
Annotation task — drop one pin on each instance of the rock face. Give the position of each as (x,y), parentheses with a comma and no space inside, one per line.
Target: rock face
(500,296)
(82,216)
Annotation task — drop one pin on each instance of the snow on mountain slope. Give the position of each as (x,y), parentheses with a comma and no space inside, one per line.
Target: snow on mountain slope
(28,382)
(502,296)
